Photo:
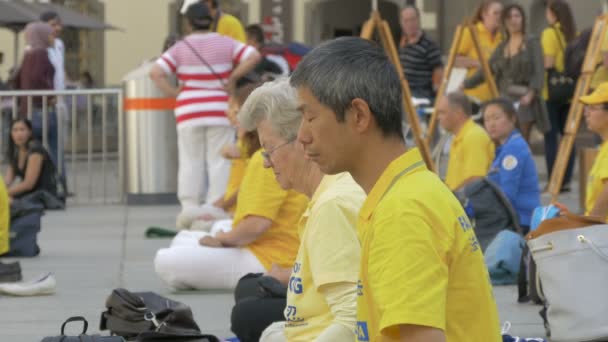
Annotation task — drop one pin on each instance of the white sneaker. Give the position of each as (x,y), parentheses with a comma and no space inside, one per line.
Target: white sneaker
(44,285)
(183,221)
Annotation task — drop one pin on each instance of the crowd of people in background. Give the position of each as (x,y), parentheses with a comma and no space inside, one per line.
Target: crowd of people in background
(520,64)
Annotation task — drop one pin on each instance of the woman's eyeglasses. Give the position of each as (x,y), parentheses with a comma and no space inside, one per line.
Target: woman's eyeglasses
(268,154)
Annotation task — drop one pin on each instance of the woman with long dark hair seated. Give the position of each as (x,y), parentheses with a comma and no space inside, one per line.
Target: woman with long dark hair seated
(29,161)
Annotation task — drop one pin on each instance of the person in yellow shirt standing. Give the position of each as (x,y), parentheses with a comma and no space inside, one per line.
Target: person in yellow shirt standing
(472,150)
(596,116)
(224,23)
(422,275)
(554,39)
(487,24)
(322,284)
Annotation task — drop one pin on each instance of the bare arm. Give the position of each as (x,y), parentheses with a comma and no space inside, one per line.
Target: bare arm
(242,69)
(549,61)
(226,203)
(34,167)
(160,78)
(9,177)
(437,77)
(280,273)
(247,231)
(466,62)
(601,205)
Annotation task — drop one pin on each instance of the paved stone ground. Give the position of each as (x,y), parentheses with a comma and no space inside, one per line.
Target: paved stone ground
(94,248)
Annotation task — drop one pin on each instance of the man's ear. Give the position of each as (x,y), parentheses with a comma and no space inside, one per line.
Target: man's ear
(361,116)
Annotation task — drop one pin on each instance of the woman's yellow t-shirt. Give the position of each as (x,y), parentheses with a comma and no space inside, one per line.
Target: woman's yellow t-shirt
(488,44)
(261,195)
(596,180)
(329,254)
(554,45)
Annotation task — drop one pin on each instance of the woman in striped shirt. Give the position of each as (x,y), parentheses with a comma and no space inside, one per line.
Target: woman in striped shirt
(207,65)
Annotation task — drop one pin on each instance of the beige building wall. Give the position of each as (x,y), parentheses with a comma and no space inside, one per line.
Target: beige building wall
(144,24)
(7,40)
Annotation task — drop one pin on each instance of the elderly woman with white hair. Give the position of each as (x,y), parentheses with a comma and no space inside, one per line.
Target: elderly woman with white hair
(322,286)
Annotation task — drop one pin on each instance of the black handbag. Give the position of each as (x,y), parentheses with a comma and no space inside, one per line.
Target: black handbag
(83,337)
(148,316)
(560,86)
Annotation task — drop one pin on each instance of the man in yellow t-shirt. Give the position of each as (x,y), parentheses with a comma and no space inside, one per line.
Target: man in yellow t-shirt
(596,116)
(488,41)
(422,275)
(224,24)
(472,150)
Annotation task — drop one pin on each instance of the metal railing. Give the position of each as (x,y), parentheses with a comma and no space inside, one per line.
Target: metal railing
(91,115)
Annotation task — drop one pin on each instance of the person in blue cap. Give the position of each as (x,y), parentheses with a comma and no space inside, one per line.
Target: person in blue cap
(513,168)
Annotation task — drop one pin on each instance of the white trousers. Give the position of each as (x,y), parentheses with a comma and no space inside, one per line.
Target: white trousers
(188,265)
(203,172)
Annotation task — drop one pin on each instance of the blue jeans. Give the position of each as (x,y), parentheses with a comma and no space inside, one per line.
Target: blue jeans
(558,115)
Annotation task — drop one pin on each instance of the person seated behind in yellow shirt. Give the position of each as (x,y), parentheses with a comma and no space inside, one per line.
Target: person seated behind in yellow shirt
(487,25)
(596,116)
(472,150)
(422,275)
(224,24)
(238,153)
(262,233)
(322,285)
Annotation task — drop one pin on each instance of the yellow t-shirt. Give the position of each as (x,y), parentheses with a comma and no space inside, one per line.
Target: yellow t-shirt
(421,263)
(4,219)
(230,26)
(261,195)
(471,155)
(237,171)
(487,43)
(329,253)
(596,180)
(554,45)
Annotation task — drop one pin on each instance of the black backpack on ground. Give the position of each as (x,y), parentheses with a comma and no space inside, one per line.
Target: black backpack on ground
(147,316)
(489,210)
(574,56)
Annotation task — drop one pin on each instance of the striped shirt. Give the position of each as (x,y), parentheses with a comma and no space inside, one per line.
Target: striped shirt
(418,61)
(203,101)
